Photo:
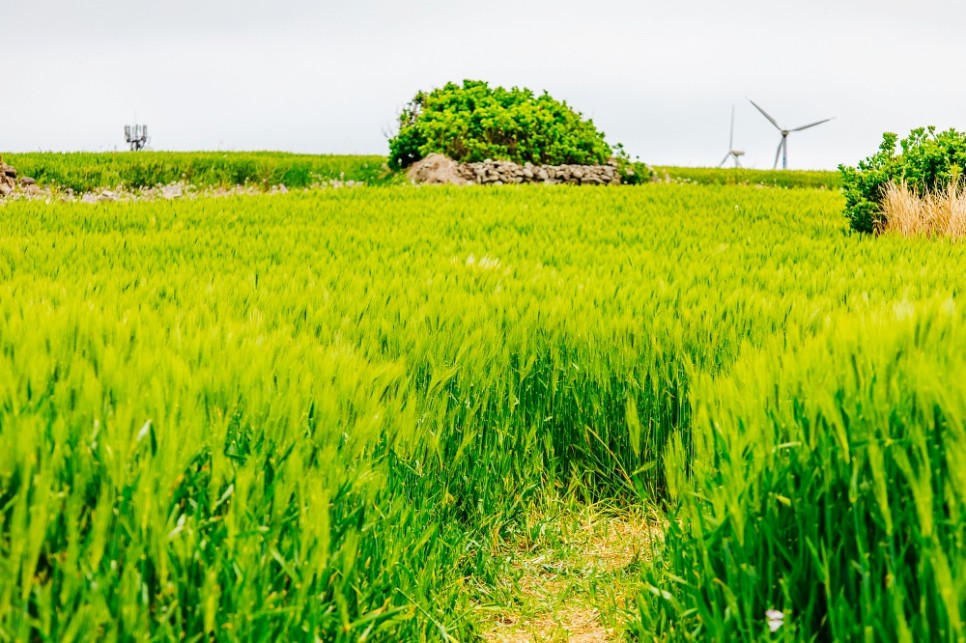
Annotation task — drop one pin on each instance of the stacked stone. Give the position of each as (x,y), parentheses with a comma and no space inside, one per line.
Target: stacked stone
(506,172)
(8,179)
(9,182)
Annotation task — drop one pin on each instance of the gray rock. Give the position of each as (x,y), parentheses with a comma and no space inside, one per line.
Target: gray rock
(435,168)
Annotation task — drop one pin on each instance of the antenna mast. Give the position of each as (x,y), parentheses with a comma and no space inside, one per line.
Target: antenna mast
(136,136)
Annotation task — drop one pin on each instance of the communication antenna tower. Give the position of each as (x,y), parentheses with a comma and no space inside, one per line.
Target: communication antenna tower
(136,136)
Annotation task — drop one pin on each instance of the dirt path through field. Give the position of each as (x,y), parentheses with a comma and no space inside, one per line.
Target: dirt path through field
(570,577)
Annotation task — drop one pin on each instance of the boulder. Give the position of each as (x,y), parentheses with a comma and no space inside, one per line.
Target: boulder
(171,191)
(8,179)
(9,183)
(436,169)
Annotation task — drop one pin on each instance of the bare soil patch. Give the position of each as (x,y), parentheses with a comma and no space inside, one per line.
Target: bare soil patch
(571,577)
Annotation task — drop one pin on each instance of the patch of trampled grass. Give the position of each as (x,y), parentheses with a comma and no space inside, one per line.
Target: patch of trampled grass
(570,573)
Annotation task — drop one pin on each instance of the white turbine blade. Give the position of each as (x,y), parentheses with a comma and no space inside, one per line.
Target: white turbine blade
(799,129)
(778,153)
(731,138)
(766,115)
(725,160)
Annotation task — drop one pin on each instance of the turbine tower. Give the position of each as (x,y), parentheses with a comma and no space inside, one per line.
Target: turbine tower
(732,152)
(783,145)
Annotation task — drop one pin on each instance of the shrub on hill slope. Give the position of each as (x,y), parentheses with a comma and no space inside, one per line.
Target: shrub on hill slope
(473,122)
(928,164)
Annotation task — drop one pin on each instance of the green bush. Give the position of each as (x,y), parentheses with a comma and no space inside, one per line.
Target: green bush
(473,122)
(928,162)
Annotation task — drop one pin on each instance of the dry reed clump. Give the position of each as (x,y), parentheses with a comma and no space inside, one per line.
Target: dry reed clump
(941,213)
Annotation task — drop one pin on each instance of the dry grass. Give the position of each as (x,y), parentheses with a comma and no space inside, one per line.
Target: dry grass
(570,577)
(940,214)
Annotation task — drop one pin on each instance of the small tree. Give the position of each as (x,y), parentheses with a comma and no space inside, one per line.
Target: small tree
(927,164)
(473,122)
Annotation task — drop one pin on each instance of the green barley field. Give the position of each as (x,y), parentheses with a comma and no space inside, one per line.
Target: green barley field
(321,415)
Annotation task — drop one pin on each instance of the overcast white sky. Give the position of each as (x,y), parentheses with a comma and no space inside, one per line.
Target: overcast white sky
(330,77)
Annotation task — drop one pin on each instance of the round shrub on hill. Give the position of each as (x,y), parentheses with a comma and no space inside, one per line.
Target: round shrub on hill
(927,164)
(473,122)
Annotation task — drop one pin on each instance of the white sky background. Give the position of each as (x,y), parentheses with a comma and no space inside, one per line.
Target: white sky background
(330,77)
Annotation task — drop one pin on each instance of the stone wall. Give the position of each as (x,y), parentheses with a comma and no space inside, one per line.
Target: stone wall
(9,182)
(504,172)
(8,179)
(436,169)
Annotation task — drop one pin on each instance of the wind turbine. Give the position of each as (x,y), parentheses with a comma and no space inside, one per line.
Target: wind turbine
(783,146)
(732,152)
